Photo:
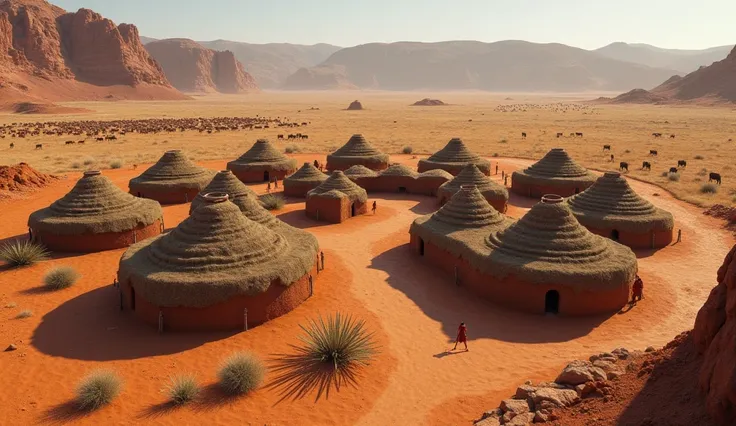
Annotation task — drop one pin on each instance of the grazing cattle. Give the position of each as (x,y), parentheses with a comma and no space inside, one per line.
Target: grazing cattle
(559,134)
(572,135)
(657,135)
(100,139)
(39,146)
(280,137)
(304,123)
(69,143)
(80,142)
(578,134)
(714,177)
(12,145)
(653,152)
(673,170)
(623,166)
(646,165)
(305,136)
(681,163)
(523,134)
(672,136)
(606,147)
(111,138)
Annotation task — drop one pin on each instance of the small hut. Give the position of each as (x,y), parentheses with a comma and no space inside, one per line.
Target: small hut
(357,151)
(497,195)
(224,182)
(396,178)
(555,173)
(361,175)
(355,106)
(304,180)
(262,163)
(95,215)
(218,270)
(453,157)
(429,182)
(336,199)
(612,209)
(174,179)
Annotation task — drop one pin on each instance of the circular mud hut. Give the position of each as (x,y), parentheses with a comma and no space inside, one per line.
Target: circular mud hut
(453,157)
(555,173)
(218,270)
(361,175)
(174,179)
(337,199)
(94,216)
(612,209)
(396,178)
(304,180)
(429,182)
(357,151)
(224,182)
(355,106)
(262,163)
(495,194)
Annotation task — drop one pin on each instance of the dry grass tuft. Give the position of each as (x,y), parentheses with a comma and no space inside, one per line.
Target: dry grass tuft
(273,201)
(699,157)
(243,372)
(183,389)
(673,177)
(26,313)
(22,253)
(10,305)
(60,278)
(116,164)
(709,188)
(407,150)
(98,389)
(339,341)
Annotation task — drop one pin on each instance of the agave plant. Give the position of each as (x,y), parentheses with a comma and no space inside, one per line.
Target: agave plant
(22,253)
(339,340)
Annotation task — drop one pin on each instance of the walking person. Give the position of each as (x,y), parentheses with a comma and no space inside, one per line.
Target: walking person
(268,188)
(637,292)
(496,168)
(322,259)
(375,206)
(679,235)
(462,336)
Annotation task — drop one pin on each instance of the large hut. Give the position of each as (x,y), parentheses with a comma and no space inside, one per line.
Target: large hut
(262,163)
(612,209)
(453,157)
(174,179)
(396,178)
(429,182)
(218,270)
(361,175)
(357,151)
(304,180)
(95,215)
(336,199)
(555,173)
(495,194)
(224,182)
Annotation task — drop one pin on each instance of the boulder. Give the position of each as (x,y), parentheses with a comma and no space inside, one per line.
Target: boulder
(11,348)
(524,391)
(540,417)
(355,106)
(578,372)
(521,420)
(558,397)
(489,421)
(516,406)
(621,353)
(612,369)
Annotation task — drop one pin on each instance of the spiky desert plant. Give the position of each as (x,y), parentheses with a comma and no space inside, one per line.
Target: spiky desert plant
(709,188)
(674,177)
(339,340)
(99,388)
(26,313)
(407,150)
(60,278)
(273,201)
(183,389)
(243,372)
(116,164)
(22,253)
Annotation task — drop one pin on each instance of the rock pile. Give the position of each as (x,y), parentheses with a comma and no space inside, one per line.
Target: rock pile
(22,176)
(355,106)
(429,102)
(722,212)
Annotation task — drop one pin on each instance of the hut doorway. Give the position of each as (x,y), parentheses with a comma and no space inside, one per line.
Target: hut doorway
(421,247)
(352,210)
(577,190)
(266,177)
(402,189)
(614,235)
(132,299)
(552,302)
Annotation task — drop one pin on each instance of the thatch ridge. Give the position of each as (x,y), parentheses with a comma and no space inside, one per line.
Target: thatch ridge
(455,154)
(471,175)
(339,186)
(357,150)
(397,169)
(307,174)
(224,182)
(359,171)
(611,203)
(555,168)
(435,173)
(262,156)
(172,171)
(95,205)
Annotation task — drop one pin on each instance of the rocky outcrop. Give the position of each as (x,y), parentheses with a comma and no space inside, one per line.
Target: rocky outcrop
(355,106)
(193,68)
(22,176)
(429,102)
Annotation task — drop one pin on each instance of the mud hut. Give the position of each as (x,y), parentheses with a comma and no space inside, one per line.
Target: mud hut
(555,173)
(95,215)
(495,194)
(612,209)
(357,151)
(429,182)
(174,179)
(304,180)
(361,175)
(336,199)
(396,178)
(355,106)
(224,182)
(453,157)
(262,163)
(218,270)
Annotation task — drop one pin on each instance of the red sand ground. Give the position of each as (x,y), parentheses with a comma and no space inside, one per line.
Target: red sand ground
(371,273)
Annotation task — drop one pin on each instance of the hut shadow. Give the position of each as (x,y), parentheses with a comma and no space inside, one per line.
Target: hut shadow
(434,292)
(645,253)
(21,237)
(299,219)
(91,327)
(517,200)
(67,412)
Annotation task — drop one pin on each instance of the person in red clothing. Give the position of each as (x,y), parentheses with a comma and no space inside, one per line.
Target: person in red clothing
(637,290)
(462,336)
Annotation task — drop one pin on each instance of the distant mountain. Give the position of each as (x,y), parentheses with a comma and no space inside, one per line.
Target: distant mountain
(683,61)
(471,65)
(145,40)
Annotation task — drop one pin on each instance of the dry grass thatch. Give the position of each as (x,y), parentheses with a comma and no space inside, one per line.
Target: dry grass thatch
(435,173)
(94,206)
(262,156)
(454,155)
(556,168)
(356,151)
(399,170)
(172,171)
(358,171)
(254,210)
(215,254)
(611,203)
(306,175)
(339,186)
(224,182)
(471,175)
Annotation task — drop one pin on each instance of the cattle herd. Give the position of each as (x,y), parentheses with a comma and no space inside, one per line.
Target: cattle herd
(559,107)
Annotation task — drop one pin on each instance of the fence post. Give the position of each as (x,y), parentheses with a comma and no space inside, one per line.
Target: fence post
(160,321)
(245,319)
(311,286)
(135,237)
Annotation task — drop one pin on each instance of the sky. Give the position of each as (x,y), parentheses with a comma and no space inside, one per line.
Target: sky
(589,24)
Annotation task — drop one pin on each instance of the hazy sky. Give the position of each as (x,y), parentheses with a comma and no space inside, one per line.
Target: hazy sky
(685,24)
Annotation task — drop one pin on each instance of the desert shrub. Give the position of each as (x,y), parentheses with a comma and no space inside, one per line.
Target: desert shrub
(182,389)
(703,172)
(339,341)
(25,313)
(60,278)
(99,388)
(495,154)
(673,177)
(628,151)
(10,305)
(503,141)
(241,373)
(708,188)
(407,150)
(665,173)
(116,163)
(273,201)
(699,157)
(22,253)
(290,149)
(76,165)
(88,161)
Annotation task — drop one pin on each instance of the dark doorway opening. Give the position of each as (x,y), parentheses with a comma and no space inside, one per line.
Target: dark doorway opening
(552,302)
(266,177)
(402,189)
(352,210)
(577,190)
(614,235)
(132,299)
(421,247)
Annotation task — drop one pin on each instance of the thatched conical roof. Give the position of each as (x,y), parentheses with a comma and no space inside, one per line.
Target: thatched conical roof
(435,173)
(548,245)
(611,203)
(95,205)
(471,175)
(357,151)
(453,157)
(339,186)
(555,168)
(260,157)
(172,171)
(215,254)
(398,170)
(359,171)
(224,182)
(254,210)
(307,174)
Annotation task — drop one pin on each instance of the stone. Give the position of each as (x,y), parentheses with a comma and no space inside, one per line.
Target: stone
(496,412)
(521,420)
(490,421)
(621,353)
(516,406)
(11,348)
(523,391)
(649,349)
(603,355)
(612,370)
(578,372)
(558,397)
(540,417)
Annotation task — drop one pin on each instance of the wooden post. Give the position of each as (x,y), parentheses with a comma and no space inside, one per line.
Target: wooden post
(186,197)
(160,321)
(311,286)
(135,237)
(245,319)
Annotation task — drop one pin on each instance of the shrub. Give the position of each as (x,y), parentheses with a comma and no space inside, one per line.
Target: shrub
(99,388)
(407,150)
(628,151)
(709,188)
(26,313)
(116,164)
(673,177)
(504,141)
(10,305)
(76,165)
(241,373)
(339,341)
(273,201)
(290,149)
(60,278)
(22,253)
(495,154)
(183,389)
(699,157)
(88,161)
(664,174)
(703,172)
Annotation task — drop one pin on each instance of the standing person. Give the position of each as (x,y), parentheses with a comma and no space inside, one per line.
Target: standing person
(496,168)
(506,180)
(322,259)
(375,206)
(637,292)
(316,164)
(462,336)
(268,188)
(679,235)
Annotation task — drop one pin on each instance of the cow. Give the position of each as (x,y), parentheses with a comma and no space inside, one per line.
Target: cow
(280,137)
(606,147)
(80,142)
(100,139)
(578,134)
(523,134)
(69,143)
(681,163)
(653,152)
(714,177)
(672,136)
(305,136)
(623,166)
(12,145)
(673,170)
(646,165)
(39,146)
(657,135)
(559,134)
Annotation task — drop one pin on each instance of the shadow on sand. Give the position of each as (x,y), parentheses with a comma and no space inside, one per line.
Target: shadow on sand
(91,327)
(211,397)
(67,412)
(299,219)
